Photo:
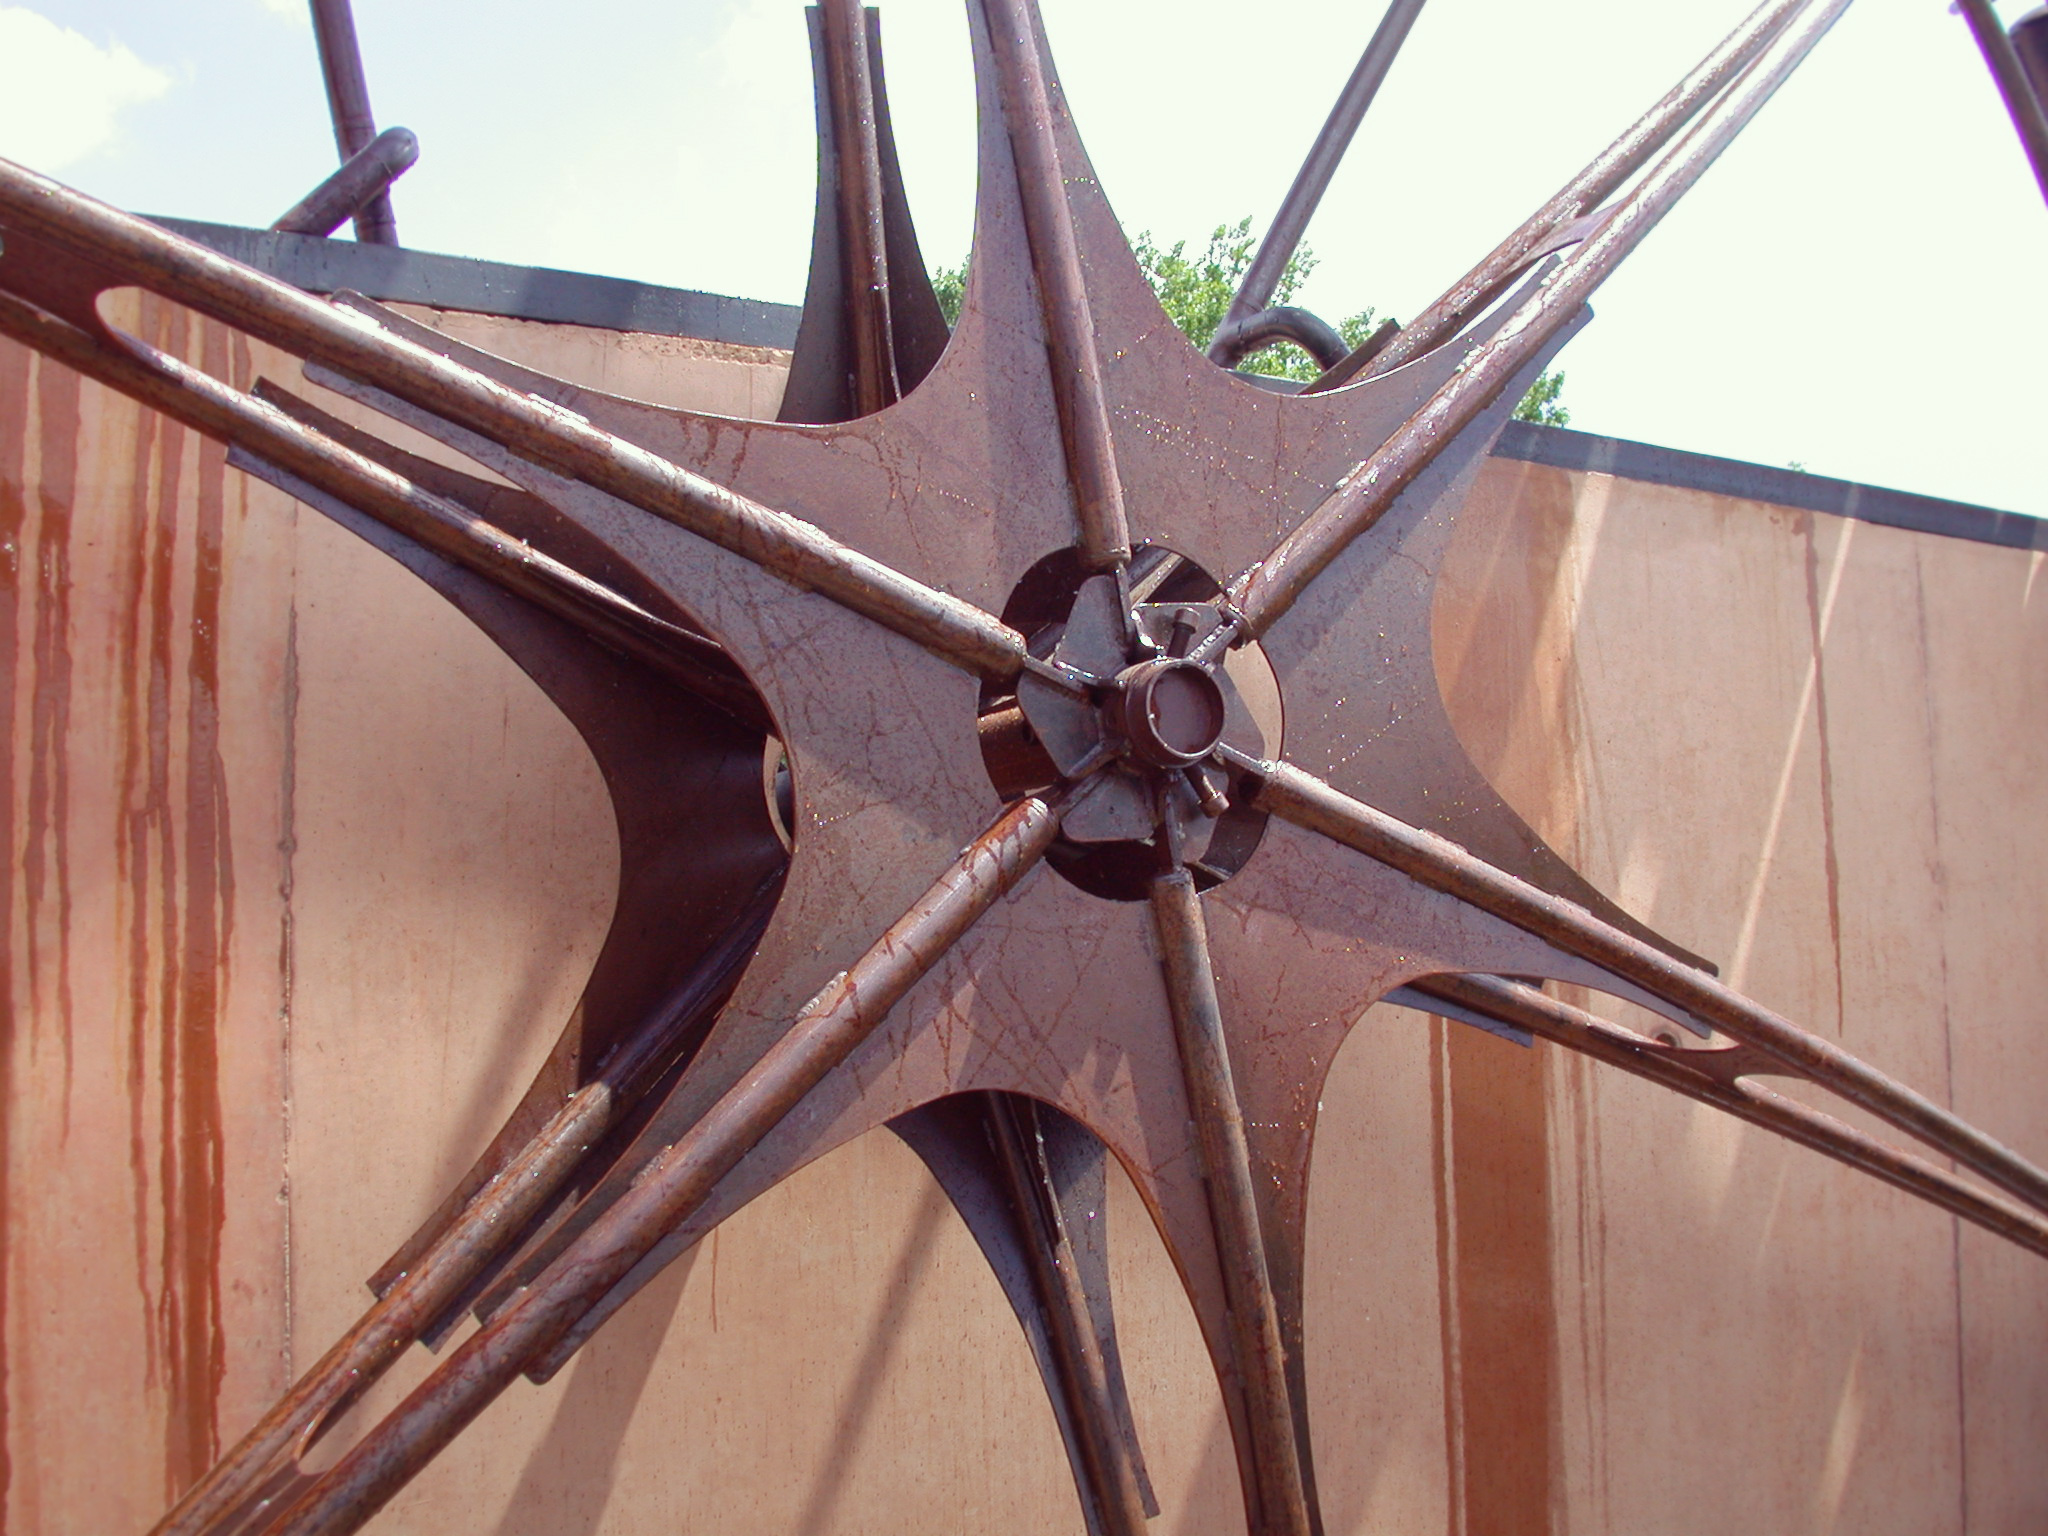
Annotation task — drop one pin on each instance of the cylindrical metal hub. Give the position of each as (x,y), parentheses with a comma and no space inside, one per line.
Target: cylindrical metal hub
(1170,711)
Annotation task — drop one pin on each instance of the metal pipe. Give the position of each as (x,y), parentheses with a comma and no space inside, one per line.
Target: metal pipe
(1238,339)
(862,244)
(1262,278)
(2030,41)
(487,1225)
(1070,1331)
(1278,1501)
(1442,865)
(676,1183)
(2027,109)
(1584,192)
(348,103)
(201,402)
(1354,362)
(364,176)
(1703,1076)
(1076,369)
(535,430)
(1261,594)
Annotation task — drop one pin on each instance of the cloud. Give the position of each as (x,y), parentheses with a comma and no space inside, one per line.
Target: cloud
(293,10)
(61,94)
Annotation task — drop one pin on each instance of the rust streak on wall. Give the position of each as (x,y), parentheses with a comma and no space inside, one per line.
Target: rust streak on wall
(45,856)
(193,1193)
(14,381)
(141,813)
(1501,1325)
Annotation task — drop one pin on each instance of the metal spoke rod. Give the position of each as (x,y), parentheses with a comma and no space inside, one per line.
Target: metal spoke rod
(493,1218)
(1262,278)
(1076,366)
(537,431)
(2029,112)
(1703,1076)
(1263,593)
(858,172)
(1442,865)
(1578,197)
(676,1183)
(1257,1350)
(1070,1329)
(321,466)
(348,103)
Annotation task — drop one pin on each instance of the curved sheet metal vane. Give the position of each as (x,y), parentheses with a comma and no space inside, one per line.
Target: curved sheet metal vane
(1001,613)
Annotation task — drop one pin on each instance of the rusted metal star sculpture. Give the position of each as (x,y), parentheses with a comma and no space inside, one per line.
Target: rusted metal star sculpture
(1108,780)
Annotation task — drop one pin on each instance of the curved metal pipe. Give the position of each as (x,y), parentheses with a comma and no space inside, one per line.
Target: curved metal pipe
(348,103)
(1262,277)
(1238,339)
(363,178)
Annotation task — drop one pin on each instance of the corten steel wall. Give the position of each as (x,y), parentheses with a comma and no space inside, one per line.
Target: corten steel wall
(304,876)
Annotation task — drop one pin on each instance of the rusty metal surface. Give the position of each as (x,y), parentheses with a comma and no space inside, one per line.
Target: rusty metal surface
(1443,866)
(819,388)
(905,585)
(1719,1075)
(1279,1493)
(825,1032)
(857,178)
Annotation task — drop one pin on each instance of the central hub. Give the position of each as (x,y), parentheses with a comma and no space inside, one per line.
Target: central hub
(1172,712)
(1125,717)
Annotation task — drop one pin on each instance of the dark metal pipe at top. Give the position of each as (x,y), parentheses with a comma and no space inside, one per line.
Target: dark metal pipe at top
(1262,278)
(2030,41)
(363,178)
(863,245)
(2022,97)
(348,102)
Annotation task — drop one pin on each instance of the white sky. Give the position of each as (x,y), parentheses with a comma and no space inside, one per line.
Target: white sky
(1857,286)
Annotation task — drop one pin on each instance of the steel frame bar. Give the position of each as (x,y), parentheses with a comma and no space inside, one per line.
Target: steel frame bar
(1442,865)
(822,1036)
(1075,366)
(1056,1277)
(1262,278)
(1581,195)
(1265,591)
(364,177)
(2029,38)
(1712,1077)
(535,430)
(348,103)
(198,400)
(2029,112)
(1257,1350)
(858,173)
(492,1220)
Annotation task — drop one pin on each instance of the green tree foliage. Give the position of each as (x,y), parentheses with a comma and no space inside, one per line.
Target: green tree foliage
(1195,291)
(1540,404)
